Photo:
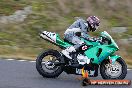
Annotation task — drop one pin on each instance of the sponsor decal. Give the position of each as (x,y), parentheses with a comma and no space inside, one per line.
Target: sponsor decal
(84,47)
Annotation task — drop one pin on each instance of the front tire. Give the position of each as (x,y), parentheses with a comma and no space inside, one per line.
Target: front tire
(50,71)
(117,71)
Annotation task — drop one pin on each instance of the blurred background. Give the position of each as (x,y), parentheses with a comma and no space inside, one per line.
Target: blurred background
(21,21)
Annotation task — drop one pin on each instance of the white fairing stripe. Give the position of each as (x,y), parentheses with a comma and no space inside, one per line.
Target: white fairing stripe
(50,36)
(45,37)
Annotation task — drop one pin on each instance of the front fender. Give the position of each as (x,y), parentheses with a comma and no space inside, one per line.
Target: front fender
(113,58)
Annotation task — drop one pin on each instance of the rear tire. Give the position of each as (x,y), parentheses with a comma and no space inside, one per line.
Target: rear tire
(122,75)
(57,70)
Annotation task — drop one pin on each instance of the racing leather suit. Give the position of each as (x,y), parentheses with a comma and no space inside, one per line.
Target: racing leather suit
(77,30)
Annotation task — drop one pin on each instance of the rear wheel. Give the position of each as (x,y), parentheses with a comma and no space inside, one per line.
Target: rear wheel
(118,70)
(45,64)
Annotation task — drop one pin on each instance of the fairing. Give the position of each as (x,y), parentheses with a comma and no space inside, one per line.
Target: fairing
(98,52)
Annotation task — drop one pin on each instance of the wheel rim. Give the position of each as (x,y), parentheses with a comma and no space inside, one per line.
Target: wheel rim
(113,70)
(48,63)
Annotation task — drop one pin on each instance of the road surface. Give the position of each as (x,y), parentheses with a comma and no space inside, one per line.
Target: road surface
(23,74)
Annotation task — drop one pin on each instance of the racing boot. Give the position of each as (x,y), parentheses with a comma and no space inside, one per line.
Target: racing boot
(68,50)
(72,61)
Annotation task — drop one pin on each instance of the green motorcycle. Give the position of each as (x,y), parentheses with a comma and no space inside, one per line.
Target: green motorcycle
(51,63)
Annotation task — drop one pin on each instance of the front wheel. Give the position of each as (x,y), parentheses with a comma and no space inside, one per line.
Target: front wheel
(45,64)
(118,70)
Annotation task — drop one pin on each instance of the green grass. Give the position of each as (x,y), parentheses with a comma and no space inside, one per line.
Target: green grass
(21,40)
(9,7)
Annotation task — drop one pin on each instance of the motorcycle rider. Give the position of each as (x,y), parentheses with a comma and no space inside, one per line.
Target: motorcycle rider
(78,29)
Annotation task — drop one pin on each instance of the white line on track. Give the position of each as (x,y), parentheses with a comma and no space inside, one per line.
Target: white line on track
(26,60)
(9,59)
(32,61)
(22,60)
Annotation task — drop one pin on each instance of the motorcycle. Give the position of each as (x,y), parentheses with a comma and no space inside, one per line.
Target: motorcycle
(51,63)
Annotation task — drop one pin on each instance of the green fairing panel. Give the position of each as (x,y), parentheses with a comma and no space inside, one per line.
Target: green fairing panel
(92,53)
(106,51)
(61,42)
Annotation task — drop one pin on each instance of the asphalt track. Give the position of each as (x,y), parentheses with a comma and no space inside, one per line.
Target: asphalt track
(23,74)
